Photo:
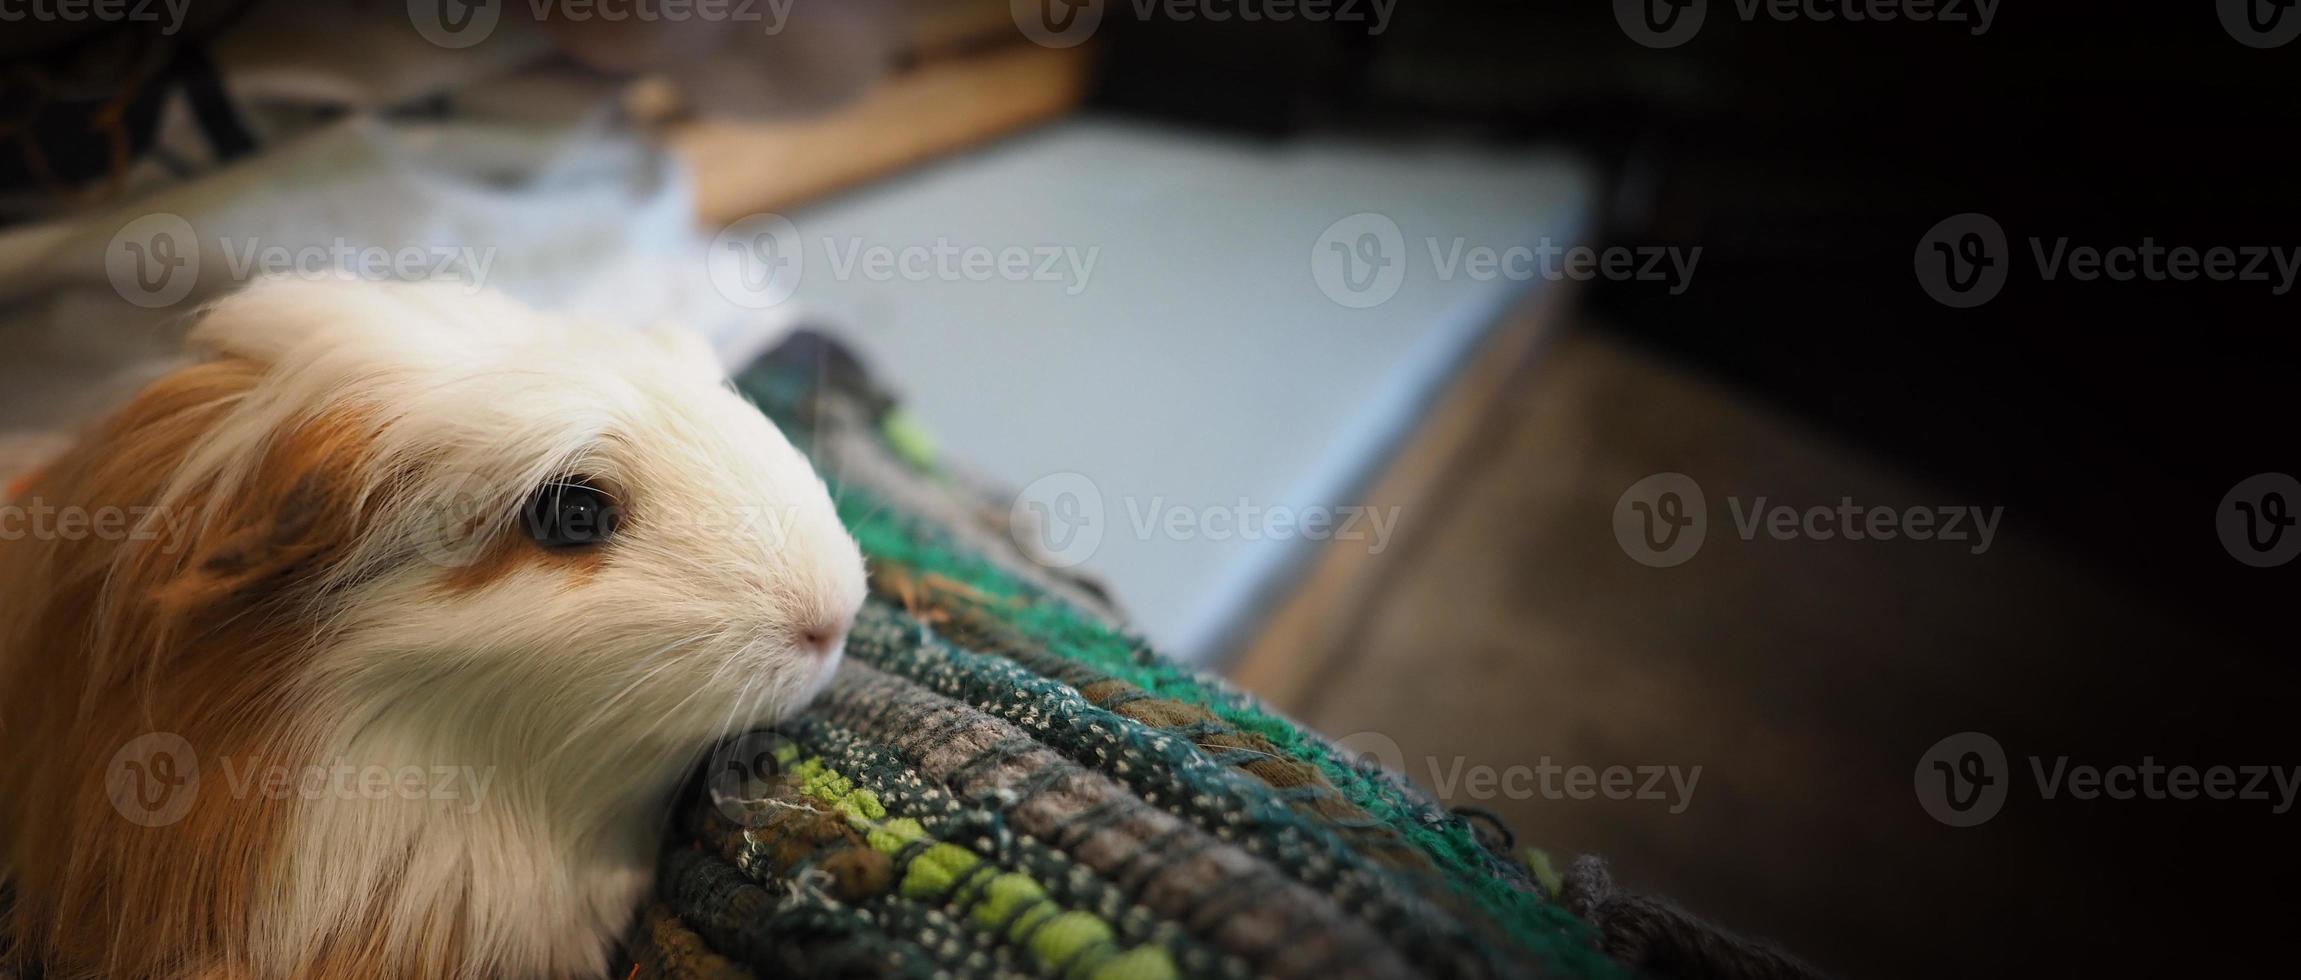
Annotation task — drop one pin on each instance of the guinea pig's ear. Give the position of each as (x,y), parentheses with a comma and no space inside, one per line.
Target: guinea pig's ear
(279,508)
(686,345)
(258,322)
(288,523)
(257,549)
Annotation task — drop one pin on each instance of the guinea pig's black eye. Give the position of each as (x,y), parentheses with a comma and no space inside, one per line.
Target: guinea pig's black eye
(571,513)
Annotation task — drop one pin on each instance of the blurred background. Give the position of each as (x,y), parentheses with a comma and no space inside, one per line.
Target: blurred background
(1508,390)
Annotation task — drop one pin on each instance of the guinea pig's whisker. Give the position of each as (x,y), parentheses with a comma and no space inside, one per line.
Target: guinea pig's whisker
(735,711)
(666,718)
(646,676)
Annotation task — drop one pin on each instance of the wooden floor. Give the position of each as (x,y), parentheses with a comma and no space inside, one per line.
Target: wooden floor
(1505,625)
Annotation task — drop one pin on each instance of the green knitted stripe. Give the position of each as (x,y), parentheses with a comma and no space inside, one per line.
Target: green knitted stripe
(953,943)
(787,840)
(986,831)
(1501,890)
(972,626)
(792,838)
(786,932)
(1219,888)
(1170,772)
(1299,784)
(789,393)
(1006,904)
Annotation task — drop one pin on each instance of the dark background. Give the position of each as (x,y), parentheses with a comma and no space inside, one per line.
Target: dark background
(1807,159)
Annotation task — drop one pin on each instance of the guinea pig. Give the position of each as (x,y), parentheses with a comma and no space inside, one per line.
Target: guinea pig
(385,631)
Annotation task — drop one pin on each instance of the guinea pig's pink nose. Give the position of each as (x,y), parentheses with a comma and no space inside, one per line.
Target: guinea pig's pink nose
(823,638)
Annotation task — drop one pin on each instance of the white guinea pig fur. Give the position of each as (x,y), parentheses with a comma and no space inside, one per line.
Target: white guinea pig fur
(323,562)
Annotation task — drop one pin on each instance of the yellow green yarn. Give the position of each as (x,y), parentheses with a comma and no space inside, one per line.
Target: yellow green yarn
(1538,864)
(824,783)
(1139,963)
(1009,903)
(908,438)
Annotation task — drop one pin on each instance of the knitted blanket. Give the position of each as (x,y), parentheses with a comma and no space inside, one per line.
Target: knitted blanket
(1003,781)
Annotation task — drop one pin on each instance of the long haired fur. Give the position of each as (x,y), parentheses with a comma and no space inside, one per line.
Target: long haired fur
(316,566)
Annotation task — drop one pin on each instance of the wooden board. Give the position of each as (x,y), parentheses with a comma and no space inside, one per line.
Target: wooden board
(927,112)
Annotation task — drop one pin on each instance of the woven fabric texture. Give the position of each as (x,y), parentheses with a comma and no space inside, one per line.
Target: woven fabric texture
(1004,781)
